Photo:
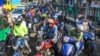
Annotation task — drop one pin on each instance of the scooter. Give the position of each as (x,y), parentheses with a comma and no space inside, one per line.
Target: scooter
(69,47)
(21,49)
(44,48)
(89,44)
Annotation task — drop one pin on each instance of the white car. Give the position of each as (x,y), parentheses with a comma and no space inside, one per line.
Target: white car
(17,12)
(22,6)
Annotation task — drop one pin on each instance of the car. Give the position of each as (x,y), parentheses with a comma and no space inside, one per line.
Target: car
(31,4)
(22,6)
(17,12)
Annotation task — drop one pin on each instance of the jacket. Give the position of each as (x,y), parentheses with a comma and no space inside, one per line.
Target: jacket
(20,30)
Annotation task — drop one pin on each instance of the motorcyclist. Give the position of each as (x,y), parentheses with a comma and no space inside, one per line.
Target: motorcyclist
(79,19)
(88,29)
(20,32)
(62,24)
(30,16)
(52,33)
(51,29)
(78,36)
(86,24)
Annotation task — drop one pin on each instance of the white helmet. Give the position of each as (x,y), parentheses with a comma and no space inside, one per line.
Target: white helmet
(66,39)
(80,27)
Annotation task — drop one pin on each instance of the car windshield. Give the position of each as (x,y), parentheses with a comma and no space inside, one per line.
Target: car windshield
(30,5)
(17,11)
(21,6)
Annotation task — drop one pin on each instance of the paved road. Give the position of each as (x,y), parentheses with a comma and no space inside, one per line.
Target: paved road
(98,46)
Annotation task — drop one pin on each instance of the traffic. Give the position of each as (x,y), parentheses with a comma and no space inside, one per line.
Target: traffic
(46,31)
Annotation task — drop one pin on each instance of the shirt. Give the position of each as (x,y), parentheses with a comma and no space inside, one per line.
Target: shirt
(52,32)
(20,30)
(77,36)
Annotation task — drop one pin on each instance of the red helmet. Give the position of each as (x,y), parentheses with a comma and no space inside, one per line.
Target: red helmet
(51,21)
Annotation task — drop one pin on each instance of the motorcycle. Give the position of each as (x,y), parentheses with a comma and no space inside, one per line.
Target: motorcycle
(5,46)
(21,50)
(69,47)
(44,48)
(89,44)
(2,48)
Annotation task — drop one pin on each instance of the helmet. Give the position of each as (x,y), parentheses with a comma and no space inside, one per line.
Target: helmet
(80,27)
(18,21)
(51,21)
(66,39)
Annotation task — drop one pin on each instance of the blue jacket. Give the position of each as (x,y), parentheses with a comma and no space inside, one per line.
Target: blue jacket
(51,32)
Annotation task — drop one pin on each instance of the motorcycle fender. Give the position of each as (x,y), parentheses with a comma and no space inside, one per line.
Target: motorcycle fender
(80,46)
(70,47)
(66,49)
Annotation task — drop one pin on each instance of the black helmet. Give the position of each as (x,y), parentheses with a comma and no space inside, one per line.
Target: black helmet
(18,21)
